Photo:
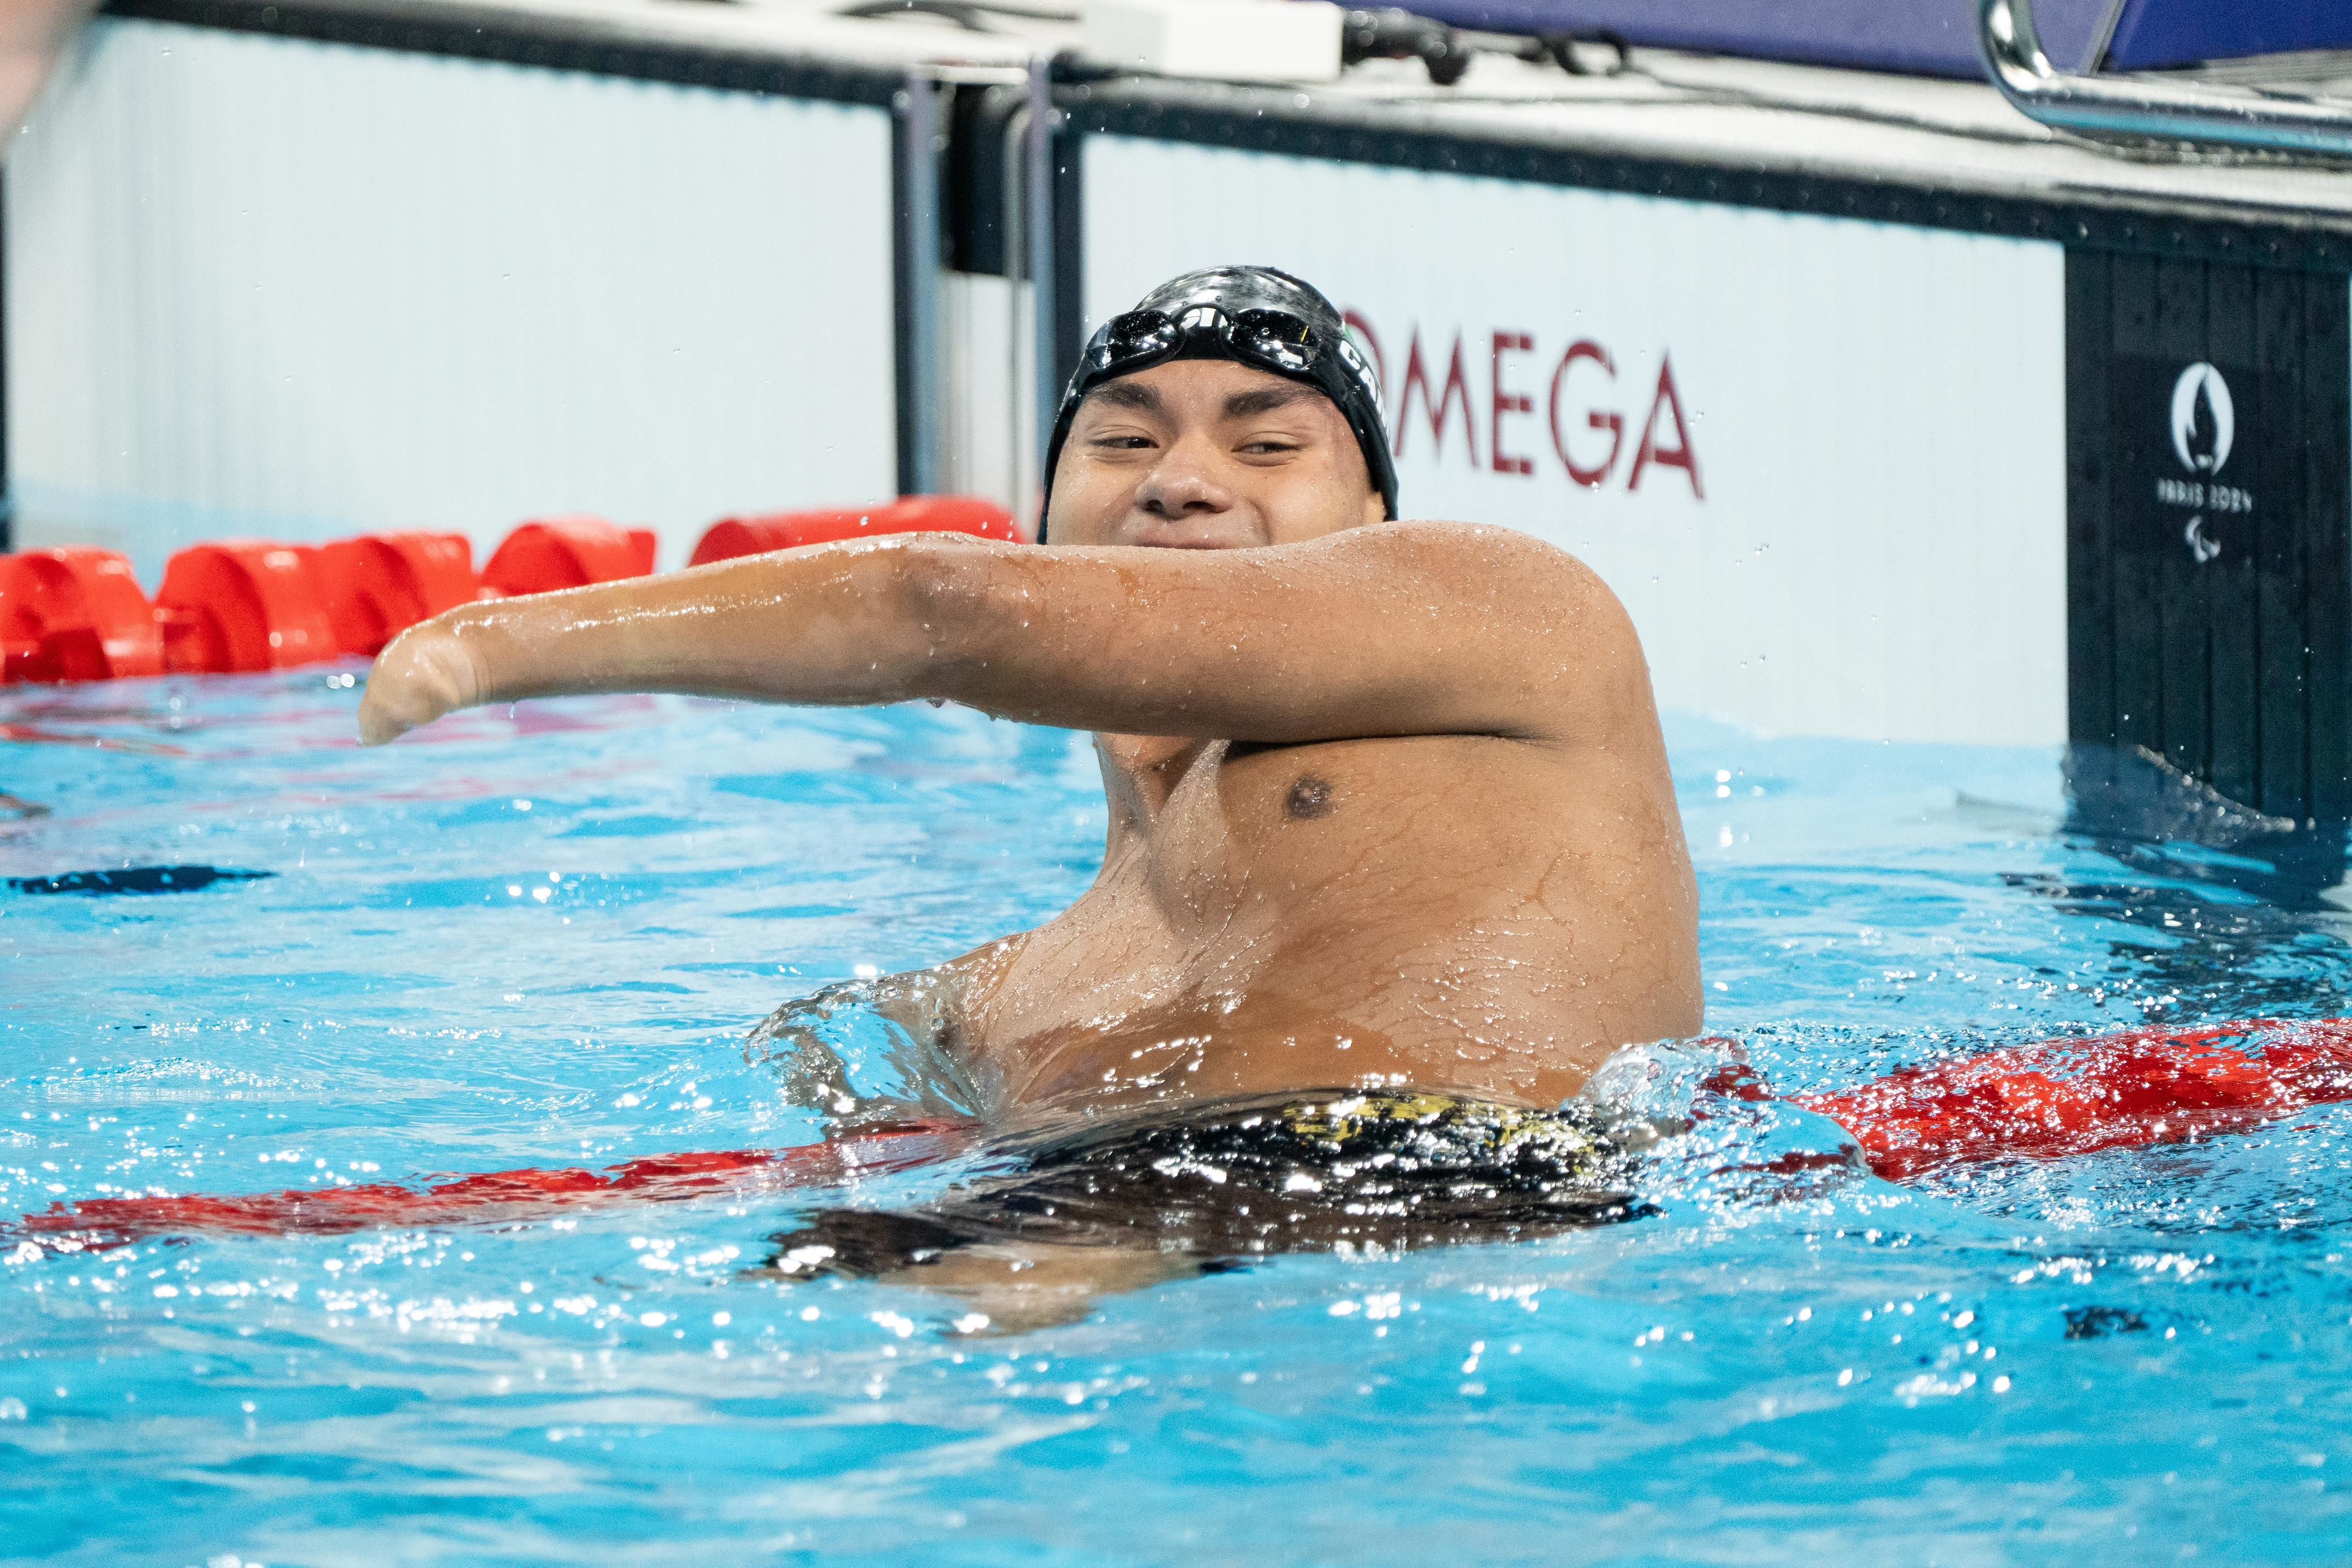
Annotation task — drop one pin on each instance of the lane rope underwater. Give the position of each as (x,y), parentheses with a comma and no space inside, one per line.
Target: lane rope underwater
(2044,1100)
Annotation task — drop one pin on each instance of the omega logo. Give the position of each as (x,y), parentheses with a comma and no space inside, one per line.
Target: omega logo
(1603,431)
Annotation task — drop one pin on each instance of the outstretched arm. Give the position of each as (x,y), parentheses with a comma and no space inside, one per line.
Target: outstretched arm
(1392,629)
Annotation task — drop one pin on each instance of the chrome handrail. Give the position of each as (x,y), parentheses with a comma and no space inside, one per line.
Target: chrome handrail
(2145,109)
(924,395)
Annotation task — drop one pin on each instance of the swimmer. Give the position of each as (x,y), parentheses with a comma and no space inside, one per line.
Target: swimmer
(1388,806)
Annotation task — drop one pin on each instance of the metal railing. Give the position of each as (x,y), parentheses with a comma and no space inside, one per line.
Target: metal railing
(2144,109)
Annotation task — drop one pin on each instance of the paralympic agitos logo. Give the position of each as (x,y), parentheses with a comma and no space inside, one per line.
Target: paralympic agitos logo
(1572,408)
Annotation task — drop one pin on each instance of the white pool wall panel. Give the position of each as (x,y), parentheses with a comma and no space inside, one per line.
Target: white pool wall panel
(987,358)
(1876,543)
(267,286)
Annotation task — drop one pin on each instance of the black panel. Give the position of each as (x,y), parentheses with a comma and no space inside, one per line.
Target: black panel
(2092,661)
(2137,719)
(1069,258)
(2209,556)
(2328,542)
(2232,712)
(972,179)
(2176,338)
(2281,635)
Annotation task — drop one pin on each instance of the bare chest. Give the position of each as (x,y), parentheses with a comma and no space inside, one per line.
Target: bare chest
(1308,914)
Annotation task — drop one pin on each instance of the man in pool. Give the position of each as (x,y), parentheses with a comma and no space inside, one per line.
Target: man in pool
(1390,809)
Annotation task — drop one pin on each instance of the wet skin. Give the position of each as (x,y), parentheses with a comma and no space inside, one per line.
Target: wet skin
(1389,802)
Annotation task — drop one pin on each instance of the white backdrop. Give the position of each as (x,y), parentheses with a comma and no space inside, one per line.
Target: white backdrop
(267,286)
(1857,525)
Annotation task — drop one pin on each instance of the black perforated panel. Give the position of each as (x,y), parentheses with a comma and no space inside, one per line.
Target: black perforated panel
(2210,534)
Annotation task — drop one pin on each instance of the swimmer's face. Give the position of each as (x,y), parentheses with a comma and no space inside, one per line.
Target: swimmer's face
(1208,455)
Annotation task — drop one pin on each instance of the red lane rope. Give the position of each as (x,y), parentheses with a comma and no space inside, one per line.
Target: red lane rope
(76,613)
(2045,1101)
(493,1197)
(2062,1097)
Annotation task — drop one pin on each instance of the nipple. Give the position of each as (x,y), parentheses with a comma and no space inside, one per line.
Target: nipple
(1309,796)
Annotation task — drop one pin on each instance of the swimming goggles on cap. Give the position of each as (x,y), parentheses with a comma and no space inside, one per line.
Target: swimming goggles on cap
(1274,340)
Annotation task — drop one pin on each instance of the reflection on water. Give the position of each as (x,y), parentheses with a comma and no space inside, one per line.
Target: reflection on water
(2139,809)
(2231,912)
(132,879)
(2214,951)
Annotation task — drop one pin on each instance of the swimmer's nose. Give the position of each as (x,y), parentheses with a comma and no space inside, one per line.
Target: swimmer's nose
(1180,486)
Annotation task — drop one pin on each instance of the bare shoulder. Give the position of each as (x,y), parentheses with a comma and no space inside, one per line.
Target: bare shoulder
(1541,620)
(1493,569)
(971,980)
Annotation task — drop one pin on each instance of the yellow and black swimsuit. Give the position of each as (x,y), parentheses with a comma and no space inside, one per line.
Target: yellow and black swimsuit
(1228,1180)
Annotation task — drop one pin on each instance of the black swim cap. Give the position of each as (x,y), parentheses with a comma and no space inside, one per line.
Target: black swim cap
(1254,316)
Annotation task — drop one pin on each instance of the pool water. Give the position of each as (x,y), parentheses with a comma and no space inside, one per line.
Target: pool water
(538,937)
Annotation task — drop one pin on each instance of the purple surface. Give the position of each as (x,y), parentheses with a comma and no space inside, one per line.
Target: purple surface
(2153,34)
(1932,38)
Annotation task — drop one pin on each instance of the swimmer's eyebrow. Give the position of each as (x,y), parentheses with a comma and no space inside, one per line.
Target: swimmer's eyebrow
(1128,395)
(1143,399)
(1265,400)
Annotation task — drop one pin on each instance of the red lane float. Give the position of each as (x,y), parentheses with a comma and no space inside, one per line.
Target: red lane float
(566,552)
(2041,1101)
(77,614)
(379,585)
(2062,1097)
(492,1198)
(74,614)
(242,605)
(732,537)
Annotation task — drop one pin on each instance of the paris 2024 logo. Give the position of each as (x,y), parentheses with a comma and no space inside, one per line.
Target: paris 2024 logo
(2204,428)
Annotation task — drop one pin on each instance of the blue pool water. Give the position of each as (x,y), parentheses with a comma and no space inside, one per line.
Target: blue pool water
(538,938)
